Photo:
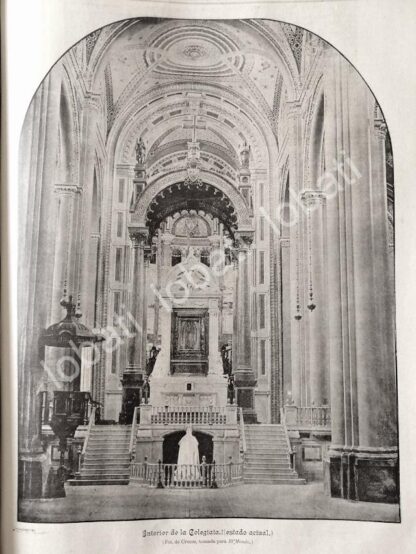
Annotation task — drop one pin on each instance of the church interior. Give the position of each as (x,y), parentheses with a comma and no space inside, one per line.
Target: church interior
(206,270)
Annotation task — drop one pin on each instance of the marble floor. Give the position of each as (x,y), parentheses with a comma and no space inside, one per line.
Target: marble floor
(134,502)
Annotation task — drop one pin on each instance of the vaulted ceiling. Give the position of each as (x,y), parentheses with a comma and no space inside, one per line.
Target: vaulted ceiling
(156,74)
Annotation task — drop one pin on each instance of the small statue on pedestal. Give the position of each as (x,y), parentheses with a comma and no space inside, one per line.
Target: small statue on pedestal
(140,152)
(231,389)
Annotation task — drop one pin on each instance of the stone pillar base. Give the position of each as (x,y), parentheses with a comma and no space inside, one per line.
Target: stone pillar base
(363,475)
(245,382)
(30,477)
(132,394)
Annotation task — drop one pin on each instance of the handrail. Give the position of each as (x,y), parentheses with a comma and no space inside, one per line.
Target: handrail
(283,422)
(133,432)
(243,431)
(90,425)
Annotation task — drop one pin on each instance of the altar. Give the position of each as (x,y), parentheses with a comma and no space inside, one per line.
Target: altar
(187,384)
(188,370)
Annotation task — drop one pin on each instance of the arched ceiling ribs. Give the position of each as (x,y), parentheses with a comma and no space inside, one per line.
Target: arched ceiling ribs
(247,122)
(208,149)
(176,157)
(285,57)
(108,34)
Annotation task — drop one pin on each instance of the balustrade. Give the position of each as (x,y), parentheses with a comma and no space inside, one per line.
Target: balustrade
(308,416)
(192,415)
(186,475)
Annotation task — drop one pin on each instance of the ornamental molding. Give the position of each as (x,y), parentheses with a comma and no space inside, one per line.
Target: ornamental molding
(68,188)
(380,128)
(154,188)
(256,140)
(263,131)
(310,197)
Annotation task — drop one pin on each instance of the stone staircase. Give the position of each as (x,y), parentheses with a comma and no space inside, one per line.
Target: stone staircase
(107,458)
(267,458)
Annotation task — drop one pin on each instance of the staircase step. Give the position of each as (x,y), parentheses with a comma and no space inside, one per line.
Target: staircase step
(107,473)
(110,458)
(272,481)
(265,465)
(96,482)
(258,450)
(267,459)
(107,446)
(107,462)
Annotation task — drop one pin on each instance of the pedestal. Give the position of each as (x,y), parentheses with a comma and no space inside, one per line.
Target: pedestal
(363,475)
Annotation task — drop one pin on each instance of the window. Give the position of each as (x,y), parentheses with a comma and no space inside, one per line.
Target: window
(119,224)
(263,357)
(176,257)
(262,227)
(205,258)
(121,185)
(262,310)
(117,272)
(261,268)
(261,194)
(116,307)
(253,311)
(114,356)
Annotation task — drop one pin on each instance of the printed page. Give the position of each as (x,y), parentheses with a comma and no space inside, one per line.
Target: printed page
(207,273)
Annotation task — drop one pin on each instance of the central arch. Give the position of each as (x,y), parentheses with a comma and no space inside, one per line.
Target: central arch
(173,192)
(201,197)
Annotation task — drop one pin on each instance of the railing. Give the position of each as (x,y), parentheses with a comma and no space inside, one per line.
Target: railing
(91,422)
(289,446)
(186,475)
(182,415)
(308,416)
(242,433)
(315,415)
(132,446)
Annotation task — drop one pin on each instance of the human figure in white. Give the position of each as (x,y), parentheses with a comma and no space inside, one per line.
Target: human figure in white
(188,457)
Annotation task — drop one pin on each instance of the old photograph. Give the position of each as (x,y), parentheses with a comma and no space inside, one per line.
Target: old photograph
(206,288)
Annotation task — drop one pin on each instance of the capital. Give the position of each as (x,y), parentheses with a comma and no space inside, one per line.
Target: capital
(380,128)
(312,197)
(243,239)
(138,235)
(294,108)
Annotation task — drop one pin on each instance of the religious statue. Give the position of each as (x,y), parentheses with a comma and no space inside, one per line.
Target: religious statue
(188,457)
(231,389)
(152,359)
(245,156)
(140,151)
(188,335)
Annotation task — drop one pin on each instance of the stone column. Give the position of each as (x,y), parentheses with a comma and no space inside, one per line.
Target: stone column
(89,247)
(294,116)
(133,376)
(157,293)
(144,303)
(235,314)
(244,377)
(65,271)
(362,462)
(136,361)
(214,360)
(87,361)
(39,139)
(316,309)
